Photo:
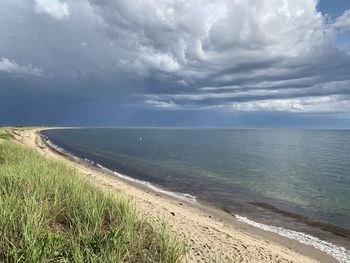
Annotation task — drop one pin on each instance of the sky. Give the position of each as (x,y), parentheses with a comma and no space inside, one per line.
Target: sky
(184,63)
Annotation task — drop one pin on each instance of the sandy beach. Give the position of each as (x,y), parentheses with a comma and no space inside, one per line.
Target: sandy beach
(213,235)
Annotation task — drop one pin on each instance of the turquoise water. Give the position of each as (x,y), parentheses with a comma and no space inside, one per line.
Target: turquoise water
(283,177)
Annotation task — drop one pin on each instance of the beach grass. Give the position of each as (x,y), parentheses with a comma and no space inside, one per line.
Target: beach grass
(5,133)
(49,214)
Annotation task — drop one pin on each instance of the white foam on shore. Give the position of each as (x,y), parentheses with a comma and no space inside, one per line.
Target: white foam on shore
(59,149)
(181,196)
(338,252)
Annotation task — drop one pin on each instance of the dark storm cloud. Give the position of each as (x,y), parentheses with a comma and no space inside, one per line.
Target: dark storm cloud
(293,53)
(241,56)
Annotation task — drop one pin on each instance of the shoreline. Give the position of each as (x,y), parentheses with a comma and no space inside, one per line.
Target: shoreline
(229,239)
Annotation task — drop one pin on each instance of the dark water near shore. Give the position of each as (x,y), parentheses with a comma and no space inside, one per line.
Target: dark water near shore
(297,179)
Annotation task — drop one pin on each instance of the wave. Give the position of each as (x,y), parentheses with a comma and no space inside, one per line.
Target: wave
(334,229)
(181,196)
(60,149)
(338,252)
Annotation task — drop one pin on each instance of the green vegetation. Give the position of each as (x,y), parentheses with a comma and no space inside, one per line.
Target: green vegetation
(5,133)
(49,214)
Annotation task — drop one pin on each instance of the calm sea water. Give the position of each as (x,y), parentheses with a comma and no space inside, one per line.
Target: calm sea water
(298,179)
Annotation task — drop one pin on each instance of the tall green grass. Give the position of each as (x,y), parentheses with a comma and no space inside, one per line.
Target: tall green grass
(5,133)
(49,214)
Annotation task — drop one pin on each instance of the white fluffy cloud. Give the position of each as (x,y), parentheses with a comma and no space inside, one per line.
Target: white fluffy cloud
(55,8)
(11,66)
(323,104)
(343,21)
(203,35)
(268,54)
(312,104)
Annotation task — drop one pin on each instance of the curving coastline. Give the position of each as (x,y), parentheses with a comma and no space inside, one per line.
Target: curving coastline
(338,252)
(180,196)
(228,238)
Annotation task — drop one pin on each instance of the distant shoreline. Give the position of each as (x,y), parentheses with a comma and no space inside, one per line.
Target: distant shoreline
(31,137)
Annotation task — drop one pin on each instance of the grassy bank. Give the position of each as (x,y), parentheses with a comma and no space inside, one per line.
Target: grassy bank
(49,214)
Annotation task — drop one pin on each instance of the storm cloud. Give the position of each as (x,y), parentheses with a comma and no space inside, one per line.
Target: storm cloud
(184,56)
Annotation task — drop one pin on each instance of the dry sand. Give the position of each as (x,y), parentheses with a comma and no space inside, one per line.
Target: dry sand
(212,235)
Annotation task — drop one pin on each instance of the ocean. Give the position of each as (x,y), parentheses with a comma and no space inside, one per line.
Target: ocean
(297,180)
